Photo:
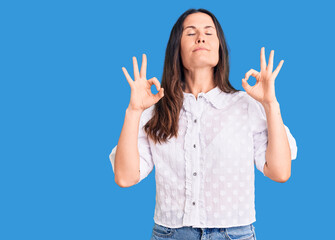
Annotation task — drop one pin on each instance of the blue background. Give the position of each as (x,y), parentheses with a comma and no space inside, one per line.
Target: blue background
(63,100)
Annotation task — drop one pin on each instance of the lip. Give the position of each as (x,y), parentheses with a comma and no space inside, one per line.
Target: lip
(200,49)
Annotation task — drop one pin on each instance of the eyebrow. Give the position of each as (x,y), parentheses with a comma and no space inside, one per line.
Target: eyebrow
(195,27)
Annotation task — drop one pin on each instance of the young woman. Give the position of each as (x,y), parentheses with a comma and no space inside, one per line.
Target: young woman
(202,135)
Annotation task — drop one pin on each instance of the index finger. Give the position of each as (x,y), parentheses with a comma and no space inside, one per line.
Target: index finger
(143,72)
(130,81)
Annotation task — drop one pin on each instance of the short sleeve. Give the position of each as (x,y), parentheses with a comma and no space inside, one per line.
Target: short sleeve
(146,161)
(259,128)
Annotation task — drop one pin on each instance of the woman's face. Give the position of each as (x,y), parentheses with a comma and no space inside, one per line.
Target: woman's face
(199,31)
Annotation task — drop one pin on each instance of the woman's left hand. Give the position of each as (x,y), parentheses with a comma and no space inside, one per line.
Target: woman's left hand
(264,89)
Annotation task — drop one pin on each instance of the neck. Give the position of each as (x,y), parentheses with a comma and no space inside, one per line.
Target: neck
(199,80)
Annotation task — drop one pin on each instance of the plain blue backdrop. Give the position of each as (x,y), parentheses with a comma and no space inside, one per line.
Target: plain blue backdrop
(63,100)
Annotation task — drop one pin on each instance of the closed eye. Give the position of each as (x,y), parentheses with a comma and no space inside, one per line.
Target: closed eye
(194,34)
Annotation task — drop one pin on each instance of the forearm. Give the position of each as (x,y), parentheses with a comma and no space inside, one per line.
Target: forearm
(127,159)
(278,153)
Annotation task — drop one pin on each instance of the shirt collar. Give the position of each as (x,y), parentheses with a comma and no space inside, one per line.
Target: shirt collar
(215,96)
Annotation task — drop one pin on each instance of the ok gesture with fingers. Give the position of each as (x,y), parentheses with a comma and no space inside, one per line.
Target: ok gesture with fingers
(264,89)
(141,96)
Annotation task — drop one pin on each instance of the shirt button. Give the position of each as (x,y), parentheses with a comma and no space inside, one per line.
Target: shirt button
(194,145)
(195,120)
(194,174)
(200,96)
(193,203)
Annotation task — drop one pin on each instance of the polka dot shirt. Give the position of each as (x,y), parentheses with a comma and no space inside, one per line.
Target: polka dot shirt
(205,176)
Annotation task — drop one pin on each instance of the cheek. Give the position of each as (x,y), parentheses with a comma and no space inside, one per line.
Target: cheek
(216,49)
(182,46)
(216,45)
(185,48)
(183,52)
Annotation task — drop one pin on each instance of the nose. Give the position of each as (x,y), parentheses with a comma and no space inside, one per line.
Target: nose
(200,38)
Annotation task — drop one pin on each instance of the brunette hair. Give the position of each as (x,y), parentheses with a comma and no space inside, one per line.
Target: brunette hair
(164,122)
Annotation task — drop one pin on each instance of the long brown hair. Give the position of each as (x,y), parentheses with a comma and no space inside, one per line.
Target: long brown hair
(164,122)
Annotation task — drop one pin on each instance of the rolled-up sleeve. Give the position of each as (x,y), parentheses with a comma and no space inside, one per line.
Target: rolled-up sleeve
(259,128)
(146,161)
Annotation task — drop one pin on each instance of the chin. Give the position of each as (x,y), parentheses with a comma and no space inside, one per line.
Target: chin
(202,64)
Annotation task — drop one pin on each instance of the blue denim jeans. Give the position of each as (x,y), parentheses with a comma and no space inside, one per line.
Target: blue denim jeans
(246,232)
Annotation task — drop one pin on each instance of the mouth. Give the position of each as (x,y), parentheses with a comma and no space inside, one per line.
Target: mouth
(200,49)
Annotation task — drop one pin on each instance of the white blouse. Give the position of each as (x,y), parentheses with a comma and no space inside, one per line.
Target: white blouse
(205,176)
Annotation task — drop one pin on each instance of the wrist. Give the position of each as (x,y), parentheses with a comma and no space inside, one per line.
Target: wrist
(133,111)
(271,105)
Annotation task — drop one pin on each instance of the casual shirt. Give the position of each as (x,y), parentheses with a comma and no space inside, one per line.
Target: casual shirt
(205,176)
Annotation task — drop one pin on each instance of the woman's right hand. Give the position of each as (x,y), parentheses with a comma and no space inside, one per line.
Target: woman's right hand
(141,97)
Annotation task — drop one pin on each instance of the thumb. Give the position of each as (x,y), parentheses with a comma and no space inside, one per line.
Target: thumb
(245,85)
(160,94)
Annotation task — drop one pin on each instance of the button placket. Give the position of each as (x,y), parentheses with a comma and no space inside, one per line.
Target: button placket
(195,121)
(195,115)
(197,153)
(196,181)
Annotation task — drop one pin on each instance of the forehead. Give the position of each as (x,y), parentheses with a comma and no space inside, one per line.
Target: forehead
(199,20)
